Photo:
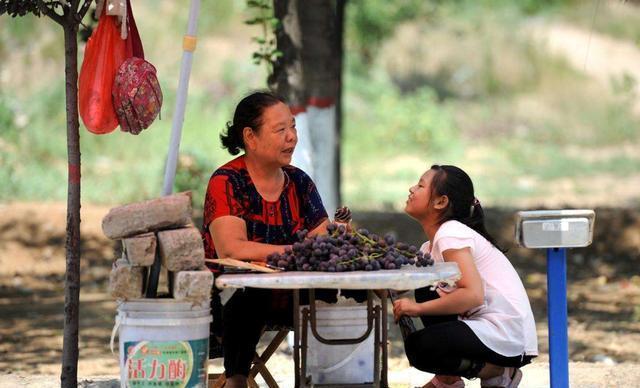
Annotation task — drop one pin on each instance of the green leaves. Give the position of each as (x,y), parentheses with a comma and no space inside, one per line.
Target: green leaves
(267,52)
(19,7)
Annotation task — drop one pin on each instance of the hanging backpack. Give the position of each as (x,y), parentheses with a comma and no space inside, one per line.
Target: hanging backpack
(137,97)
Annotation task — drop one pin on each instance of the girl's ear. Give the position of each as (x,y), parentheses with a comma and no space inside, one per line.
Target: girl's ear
(249,138)
(441,202)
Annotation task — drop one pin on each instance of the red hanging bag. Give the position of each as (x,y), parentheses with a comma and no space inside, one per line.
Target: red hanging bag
(104,53)
(134,43)
(137,97)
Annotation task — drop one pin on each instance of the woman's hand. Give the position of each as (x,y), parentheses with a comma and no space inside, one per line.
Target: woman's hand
(229,234)
(320,229)
(404,306)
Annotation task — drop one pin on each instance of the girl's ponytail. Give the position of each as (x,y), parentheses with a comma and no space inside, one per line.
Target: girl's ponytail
(463,205)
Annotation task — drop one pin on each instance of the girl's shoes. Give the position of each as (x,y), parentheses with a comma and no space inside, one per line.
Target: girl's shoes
(510,378)
(437,383)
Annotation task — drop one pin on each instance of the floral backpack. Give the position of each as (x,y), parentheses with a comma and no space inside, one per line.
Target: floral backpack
(137,97)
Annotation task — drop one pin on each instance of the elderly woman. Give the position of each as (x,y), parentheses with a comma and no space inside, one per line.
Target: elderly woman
(254,206)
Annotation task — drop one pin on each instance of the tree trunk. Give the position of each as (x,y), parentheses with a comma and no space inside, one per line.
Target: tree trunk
(321,69)
(69,376)
(308,75)
(339,52)
(287,79)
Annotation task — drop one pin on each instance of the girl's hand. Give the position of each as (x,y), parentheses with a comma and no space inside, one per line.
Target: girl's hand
(404,306)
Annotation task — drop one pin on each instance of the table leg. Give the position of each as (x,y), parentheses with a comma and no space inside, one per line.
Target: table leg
(376,349)
(296,337)
(383,313)
(304,348)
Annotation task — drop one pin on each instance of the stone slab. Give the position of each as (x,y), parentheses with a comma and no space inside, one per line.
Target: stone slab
(125,281)
(181,249)
(192,286)
(140,250)
(160,213)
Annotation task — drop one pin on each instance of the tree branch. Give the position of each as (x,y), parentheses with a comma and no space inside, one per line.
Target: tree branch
(42,6)
(83,10)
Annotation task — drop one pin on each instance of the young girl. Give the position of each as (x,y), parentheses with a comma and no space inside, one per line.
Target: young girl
(484,326)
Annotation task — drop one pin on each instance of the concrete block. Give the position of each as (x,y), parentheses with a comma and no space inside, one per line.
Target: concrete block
(161,213)
(125,281)
(181,249)
(192,286)
(141,249)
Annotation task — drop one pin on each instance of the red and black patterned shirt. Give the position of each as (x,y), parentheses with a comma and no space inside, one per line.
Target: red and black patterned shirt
(231,192)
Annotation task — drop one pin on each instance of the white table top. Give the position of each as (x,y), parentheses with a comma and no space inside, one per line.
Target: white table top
(407,278)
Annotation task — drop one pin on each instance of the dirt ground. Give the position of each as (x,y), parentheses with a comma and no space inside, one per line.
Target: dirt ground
(604,289)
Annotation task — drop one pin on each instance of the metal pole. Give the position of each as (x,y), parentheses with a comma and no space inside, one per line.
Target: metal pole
(296,337)
(557,302)
(188,45)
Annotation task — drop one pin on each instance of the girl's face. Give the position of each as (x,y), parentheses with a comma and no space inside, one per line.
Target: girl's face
(276,140)
(418,202)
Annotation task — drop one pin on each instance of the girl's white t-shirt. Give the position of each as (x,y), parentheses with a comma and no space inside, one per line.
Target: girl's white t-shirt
(504,323)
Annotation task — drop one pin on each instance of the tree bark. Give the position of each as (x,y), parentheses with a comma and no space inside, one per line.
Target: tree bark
(339,51)
(308,75)
(320,63)
(287,79)
(69,375)
(317,23)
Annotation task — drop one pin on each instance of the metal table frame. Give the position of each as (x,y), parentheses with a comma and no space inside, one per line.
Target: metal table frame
(376,321)
(376,314)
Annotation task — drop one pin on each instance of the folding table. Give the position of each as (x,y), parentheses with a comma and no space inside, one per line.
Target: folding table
(408,278)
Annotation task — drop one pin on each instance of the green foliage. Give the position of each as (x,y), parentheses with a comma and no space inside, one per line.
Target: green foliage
(483,96)
(537,6)
(193,172)
(6,115)
(383,131)
(411,122)
(19,7)
(267,52)
(370,22)
(215,16)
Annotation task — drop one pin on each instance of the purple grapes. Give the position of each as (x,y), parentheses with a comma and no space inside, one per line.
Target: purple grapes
(341,250)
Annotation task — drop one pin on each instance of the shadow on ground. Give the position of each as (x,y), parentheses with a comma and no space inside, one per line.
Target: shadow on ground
(604,286)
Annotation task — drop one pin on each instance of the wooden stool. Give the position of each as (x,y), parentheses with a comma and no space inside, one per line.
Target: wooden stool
(217,380)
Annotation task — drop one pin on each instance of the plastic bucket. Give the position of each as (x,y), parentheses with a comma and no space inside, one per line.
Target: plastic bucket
(340,364)
(162,343)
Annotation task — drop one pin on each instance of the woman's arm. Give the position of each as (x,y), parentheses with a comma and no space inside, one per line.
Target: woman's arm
(468,294)
(320,229)
(229,234)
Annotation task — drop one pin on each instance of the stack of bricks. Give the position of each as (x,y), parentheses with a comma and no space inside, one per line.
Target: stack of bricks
(160,227)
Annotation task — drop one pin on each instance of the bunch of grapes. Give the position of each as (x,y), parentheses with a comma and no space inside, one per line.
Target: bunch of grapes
(341,250)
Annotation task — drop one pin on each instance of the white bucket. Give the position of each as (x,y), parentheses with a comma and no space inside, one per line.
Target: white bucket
(340,364)
(163,343)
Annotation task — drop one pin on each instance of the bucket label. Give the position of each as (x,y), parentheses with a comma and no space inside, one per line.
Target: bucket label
(171,364)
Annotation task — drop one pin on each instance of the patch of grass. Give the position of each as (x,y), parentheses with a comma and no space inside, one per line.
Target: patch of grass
(390,139)
(618,19)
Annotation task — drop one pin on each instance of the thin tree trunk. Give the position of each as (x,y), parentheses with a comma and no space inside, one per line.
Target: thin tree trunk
(339,50)
(69,376)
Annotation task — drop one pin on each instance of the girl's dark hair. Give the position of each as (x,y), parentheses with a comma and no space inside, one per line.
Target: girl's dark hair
(248,114)
(463,205)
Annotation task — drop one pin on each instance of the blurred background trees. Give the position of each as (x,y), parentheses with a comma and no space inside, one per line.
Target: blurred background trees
(518,93)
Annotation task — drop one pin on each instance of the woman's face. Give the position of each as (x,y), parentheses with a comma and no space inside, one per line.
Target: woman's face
(418,202)
(276,139)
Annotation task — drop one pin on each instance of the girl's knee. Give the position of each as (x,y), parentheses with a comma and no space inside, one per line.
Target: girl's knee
(417,355)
